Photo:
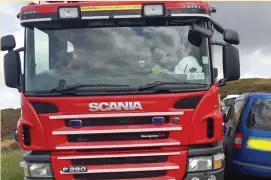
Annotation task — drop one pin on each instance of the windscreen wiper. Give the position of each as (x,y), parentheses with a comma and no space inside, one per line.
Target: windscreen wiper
(161,83)
(77,86)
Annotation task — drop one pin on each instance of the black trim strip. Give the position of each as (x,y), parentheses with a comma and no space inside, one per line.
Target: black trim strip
(117,121)
(37,157)
(188,103)
(118,137)
(37,16)
(44,108)
(185,11)
(203,150)
(120,175)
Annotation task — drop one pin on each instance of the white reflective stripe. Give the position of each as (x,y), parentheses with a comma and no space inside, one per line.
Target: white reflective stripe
(95,17)
(190,15)
(127,16)
(118,146)
(133,169)
(116,115)
(119,155)
(117,131)
(36,20)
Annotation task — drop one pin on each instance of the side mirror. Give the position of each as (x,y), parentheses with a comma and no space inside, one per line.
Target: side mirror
(12,69)
(202,31)
(231,63)
(8,43)
(194,38)
(231,36)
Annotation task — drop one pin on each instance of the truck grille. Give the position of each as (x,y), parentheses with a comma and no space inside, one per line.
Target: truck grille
(121,147)
(124,165)
(123,132)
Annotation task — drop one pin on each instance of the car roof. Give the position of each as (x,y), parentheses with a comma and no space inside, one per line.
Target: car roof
(253,95)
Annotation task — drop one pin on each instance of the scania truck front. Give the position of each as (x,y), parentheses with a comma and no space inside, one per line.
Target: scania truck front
(120,90)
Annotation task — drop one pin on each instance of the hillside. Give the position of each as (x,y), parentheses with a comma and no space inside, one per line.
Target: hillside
(246,85)
(10,116)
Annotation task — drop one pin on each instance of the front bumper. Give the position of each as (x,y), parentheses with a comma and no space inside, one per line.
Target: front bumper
(219,174)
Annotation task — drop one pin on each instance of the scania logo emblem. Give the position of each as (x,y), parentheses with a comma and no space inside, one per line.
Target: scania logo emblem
(176,120)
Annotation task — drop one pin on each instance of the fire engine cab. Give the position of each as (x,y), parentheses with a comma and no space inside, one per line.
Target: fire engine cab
(120,90)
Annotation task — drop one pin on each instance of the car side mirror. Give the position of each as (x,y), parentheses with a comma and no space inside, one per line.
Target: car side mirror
(8,43)
(230,36)
(231,63)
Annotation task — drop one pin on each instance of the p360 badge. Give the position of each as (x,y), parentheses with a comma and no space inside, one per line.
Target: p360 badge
(74,169)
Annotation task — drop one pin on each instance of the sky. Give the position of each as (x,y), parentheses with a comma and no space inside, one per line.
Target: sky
(251,19)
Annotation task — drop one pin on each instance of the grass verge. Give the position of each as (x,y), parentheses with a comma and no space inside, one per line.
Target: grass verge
(10,169)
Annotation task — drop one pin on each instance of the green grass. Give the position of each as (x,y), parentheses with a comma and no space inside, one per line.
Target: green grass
(10,168)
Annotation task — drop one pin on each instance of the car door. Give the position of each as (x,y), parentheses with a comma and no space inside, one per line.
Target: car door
(256,148)
(233,126)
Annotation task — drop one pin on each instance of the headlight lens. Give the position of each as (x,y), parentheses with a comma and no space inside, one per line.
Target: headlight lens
(206,163)
(200,164)
(68,12)
(153,10)
(40,170)
(37,170)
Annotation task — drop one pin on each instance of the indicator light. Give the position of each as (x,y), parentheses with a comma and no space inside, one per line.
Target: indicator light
(158,120)
(75,123)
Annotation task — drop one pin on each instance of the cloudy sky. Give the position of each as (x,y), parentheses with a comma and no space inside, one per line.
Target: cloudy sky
(251,19)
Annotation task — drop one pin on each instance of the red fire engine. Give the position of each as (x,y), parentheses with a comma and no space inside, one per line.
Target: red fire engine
(120,90)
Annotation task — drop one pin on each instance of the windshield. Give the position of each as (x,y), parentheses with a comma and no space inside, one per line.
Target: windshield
(128,56)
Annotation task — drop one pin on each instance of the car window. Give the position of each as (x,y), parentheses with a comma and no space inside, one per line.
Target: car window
(260,115)
(238,107)
(233,116)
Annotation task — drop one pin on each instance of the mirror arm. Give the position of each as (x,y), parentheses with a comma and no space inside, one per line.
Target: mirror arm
(217,27)
(19,50)
(218,43)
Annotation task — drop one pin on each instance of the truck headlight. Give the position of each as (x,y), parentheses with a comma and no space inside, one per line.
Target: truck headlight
(37,170)
(200,164)
(205,163)
(68,12)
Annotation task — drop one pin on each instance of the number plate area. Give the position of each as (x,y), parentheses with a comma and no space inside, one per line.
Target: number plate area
(74,169)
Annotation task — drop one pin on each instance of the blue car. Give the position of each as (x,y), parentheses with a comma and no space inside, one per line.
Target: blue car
(247,135)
